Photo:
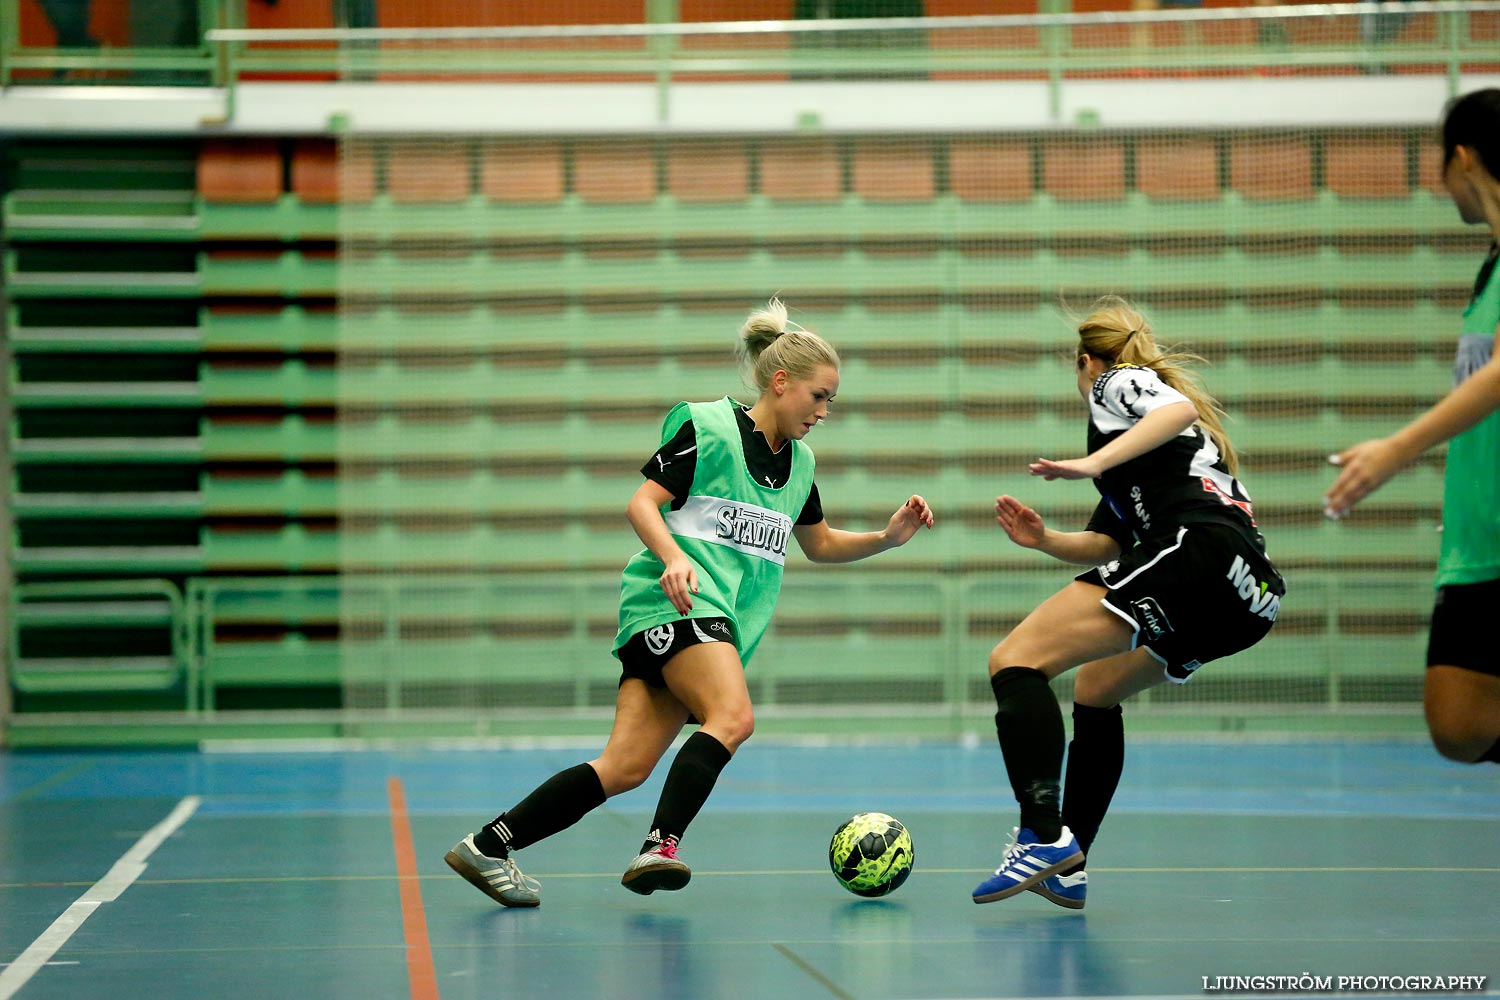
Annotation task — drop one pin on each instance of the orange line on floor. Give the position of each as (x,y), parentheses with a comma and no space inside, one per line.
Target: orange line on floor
(419,967)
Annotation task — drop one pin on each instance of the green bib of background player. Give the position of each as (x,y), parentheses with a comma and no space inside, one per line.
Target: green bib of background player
(734,530)
(1471,488)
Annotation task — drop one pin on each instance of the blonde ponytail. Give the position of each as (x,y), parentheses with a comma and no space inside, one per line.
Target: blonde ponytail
(1116,332)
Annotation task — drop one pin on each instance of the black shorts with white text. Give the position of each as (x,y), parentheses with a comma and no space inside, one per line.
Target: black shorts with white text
(1202,594)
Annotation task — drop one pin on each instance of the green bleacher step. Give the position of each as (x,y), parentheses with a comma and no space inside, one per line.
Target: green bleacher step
(104,339)
(571,220)
(57,675)
(38,451)
(96,612)
(287,219)
(154,394)
(291,439)
(108,284)
(290,273)
(292,660)
(288,328)
(111,559)
(84,504)
(53,214)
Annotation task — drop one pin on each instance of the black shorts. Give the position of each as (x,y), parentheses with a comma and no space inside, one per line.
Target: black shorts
(1456,639)
(645,653)
(1205,593)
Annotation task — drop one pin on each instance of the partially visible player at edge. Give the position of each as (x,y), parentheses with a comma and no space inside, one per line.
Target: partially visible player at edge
(1180,578)
(722,494)
(1462,687)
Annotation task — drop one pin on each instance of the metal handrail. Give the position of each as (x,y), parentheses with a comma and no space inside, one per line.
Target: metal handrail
(847,25)
(225,52)
(135,589)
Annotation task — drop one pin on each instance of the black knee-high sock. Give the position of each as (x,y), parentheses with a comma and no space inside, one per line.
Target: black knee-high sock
(1030,727)
(555,805)
(1492,754)
(694,771)
(1096,756)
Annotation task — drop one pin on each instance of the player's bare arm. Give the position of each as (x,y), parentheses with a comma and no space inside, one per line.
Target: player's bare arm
(1365,467)
(823,544)
(1025,527)
(679,580)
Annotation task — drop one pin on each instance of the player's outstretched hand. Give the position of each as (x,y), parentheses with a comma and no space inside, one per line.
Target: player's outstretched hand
(679,581)
(1071,468)
(904,523)
(1363,468)
(1021,523)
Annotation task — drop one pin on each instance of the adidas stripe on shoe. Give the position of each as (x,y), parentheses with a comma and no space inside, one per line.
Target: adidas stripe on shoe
(1064,890)
(497,878)
(1026,863)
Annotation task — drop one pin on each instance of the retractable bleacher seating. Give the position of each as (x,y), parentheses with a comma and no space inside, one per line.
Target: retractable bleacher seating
(223,400)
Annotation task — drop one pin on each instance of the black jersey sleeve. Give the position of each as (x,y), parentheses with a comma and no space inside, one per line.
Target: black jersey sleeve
(812,511)
(675,463)
(1105,521)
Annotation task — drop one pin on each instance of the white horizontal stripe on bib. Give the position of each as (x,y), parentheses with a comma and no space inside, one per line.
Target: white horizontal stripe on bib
(753,530)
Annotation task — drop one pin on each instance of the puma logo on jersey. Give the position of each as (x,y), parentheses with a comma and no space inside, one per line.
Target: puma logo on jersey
(661,460)
(1254,592)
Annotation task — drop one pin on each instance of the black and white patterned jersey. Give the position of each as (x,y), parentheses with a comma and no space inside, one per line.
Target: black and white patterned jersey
(1180,482)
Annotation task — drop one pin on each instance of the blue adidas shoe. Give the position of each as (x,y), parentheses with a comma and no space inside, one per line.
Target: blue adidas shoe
(1064,890)
(1026,863)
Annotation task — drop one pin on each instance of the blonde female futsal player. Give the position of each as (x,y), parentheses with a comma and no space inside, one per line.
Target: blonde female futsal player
(1462,687)
(728,486)
(1180,578)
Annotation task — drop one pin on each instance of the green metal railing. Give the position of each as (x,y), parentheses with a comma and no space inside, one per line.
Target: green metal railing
(115,64)
(83,606)
(505,640)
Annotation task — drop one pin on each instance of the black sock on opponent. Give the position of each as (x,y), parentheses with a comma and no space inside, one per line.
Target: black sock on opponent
(1029,725)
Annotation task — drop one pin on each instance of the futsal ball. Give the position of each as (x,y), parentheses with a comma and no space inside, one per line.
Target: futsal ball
(871,854)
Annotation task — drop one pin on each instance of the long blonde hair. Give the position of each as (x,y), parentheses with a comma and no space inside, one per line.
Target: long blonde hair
(766,345)
(1115,331)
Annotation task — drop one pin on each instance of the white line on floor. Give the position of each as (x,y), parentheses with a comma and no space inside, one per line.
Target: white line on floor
(106,890)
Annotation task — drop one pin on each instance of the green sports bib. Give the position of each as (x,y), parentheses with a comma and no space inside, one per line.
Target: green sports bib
(733,529)
(1470,551)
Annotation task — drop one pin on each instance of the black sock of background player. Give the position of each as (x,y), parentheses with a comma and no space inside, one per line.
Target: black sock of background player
(694,771)
(555,805)
(1096,757)
(1030,727)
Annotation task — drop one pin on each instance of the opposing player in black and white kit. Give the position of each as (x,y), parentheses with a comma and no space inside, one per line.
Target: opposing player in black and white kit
(1180,577)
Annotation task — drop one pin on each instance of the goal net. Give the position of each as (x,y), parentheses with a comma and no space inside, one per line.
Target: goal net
(569,242)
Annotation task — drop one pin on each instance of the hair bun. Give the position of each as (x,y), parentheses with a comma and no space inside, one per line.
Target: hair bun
(760,349)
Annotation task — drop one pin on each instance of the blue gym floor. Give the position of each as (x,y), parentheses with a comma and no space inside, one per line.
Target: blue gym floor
(279,875)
